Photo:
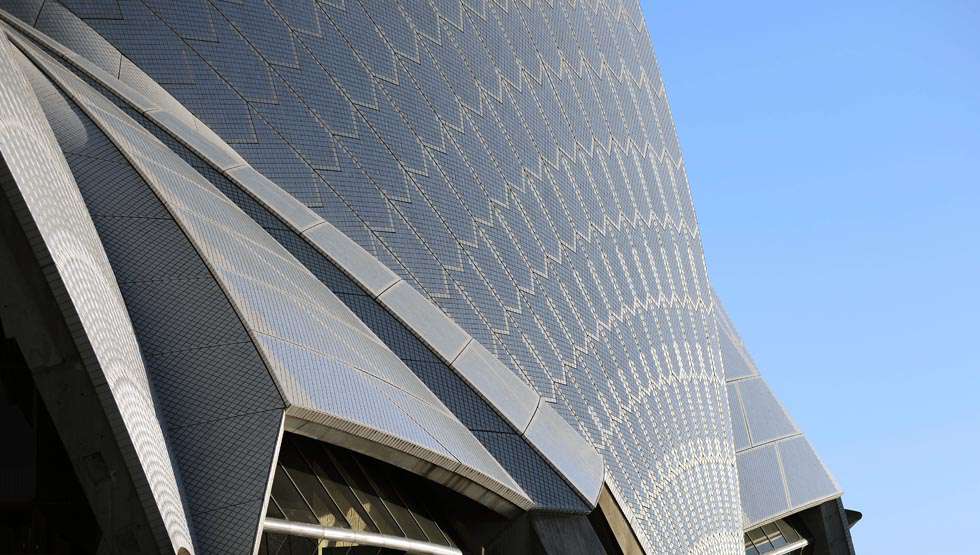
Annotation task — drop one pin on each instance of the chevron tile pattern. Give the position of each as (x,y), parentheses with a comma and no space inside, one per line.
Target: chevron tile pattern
(517,163)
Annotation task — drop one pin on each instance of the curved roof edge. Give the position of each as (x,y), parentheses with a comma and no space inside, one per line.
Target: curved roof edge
(621,519)
(317,335)
(86,288)
(558,442)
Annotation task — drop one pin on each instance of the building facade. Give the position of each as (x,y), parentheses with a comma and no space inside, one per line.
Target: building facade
(329,276)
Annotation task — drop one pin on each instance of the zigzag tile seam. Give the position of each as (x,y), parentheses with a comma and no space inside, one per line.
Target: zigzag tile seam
(483,480)
(344,255)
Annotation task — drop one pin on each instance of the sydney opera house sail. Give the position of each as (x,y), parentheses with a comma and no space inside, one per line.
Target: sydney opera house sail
(369,276)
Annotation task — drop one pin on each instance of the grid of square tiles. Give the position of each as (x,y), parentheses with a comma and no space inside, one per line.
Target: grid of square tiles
(535,476)
(430,430)
(222,438)
(45,198)
(517,164)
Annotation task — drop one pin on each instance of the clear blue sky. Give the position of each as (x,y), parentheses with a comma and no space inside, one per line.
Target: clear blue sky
(834,153)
